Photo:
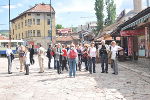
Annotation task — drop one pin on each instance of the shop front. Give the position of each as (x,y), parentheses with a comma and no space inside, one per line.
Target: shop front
(132,41)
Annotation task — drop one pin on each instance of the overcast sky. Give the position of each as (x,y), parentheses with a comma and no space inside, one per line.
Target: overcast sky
(68,12)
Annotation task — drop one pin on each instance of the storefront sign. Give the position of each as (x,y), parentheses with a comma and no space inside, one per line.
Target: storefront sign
(130,46)
(132,32)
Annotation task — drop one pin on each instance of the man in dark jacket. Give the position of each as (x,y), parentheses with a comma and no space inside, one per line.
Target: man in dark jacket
(31,55)
(49,56)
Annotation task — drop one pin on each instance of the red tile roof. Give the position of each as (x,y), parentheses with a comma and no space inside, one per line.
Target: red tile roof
(3,37)
(67,38)
(37,8)
(41,8)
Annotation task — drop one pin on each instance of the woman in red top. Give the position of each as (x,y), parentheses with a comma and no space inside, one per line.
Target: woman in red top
(64,58)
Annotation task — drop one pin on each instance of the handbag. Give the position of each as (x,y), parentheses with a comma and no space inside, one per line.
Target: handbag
(12,56)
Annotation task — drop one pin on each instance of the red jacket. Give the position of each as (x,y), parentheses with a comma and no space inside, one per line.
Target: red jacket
(65,52)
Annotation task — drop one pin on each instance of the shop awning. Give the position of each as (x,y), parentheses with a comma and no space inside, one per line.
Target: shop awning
(138,21)
(132,32)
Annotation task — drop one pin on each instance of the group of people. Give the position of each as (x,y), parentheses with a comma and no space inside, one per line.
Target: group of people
(68,57)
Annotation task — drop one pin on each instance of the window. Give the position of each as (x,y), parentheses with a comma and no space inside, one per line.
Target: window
(26,34)
(48,21)
(15,27)
(33,32)
(22,24)
(48,14)
(29,14)
(19,35)
(33,21)
(38,33)
(38,22)
(49,32)
(22,36)
(19,26)
(25,22)
(38,14)
(28,22)
(16,36)
(13,31)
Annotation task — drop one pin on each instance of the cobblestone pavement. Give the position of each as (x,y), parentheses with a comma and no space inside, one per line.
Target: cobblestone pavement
(128,85)
(141,66)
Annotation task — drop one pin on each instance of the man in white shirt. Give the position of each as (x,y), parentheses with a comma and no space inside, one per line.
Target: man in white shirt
(41,54)
(114,50)
(8,54)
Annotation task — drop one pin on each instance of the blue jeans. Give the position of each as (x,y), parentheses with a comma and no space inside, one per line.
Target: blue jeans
(72,64)
(104,60)
(92,64)
(58,67)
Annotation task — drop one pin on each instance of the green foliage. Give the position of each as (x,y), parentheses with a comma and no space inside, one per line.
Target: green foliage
(59,26)
(111,12)
(99,7)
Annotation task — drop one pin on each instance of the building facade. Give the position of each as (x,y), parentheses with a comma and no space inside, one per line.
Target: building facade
(34,25)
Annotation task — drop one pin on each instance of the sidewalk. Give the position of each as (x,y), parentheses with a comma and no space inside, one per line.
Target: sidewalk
(141,66)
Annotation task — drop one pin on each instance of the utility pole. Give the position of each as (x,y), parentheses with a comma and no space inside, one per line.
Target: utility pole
(9,27)
(51,19)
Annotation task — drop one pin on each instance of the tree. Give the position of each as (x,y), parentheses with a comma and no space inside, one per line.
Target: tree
(99,7)
(111,12)
(59,26)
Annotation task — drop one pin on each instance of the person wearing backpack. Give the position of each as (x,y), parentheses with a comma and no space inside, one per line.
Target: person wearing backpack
(49,56)
(103,53)
(72,55)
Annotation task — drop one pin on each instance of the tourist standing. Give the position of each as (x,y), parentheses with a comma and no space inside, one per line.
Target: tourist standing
(41,54)
(114,49)
(31,55)
(92,58)
(103,54)
(27,60)
(21,51)
(72,54)
(64,58)
(9,55)
(49,50)
(58,58)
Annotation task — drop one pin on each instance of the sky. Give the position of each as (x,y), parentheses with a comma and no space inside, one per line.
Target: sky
(69,13)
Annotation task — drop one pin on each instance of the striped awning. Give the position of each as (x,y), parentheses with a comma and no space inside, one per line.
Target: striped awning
(138,21)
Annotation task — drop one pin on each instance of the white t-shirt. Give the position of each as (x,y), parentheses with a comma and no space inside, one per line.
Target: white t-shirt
(92,52)
(27,58)
(114,51)
(8,52)
(41,51)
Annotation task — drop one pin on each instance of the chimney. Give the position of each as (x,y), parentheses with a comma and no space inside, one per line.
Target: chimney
(137,5)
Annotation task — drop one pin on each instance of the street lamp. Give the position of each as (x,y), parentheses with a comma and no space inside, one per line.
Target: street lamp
(51,19)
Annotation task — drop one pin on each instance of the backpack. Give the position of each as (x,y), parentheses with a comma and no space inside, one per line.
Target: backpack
(103,50)
(72,54)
